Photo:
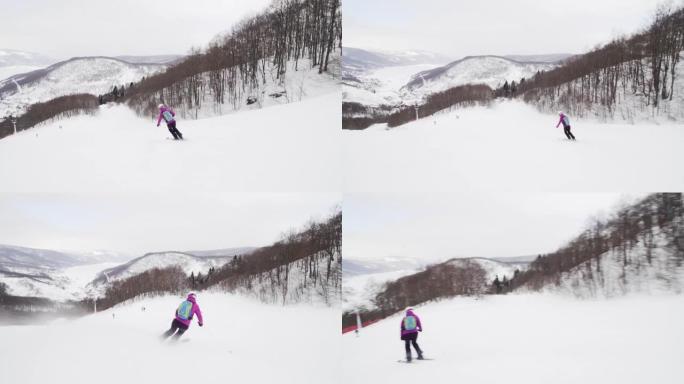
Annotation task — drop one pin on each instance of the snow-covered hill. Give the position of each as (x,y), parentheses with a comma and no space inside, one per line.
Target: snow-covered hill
(51,274)
(552,58)
(374,78)
(222,252)
(240,337)
(187,262)
(356,60)
(94,75)
(493,71)
(492,268)
(9,57)
(534,339)
(509,144)
(151,59)
(363,279)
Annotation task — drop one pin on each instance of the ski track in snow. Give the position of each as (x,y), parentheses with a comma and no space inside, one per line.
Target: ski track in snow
(530,339)
(511,145)
(287,148)
(241,341)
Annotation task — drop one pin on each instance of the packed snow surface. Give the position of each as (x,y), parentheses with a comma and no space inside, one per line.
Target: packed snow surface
(511,144)
(527,339)
(242,341)
(288,148)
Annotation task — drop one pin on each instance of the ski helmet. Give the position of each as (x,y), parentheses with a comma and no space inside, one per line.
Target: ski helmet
(560,113)
(161,106)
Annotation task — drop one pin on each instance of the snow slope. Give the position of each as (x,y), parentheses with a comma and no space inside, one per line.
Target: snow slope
(512,144)
(94,75)
(531,339)
(241,341)
(287,148)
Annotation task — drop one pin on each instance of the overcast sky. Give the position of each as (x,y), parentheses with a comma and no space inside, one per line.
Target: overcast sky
(67,28)
(136,224)
(436,227)
(474,27)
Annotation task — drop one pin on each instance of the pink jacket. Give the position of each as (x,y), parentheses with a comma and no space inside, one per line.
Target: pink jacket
(563,120)
(195,311)
(161,115)
(419,327)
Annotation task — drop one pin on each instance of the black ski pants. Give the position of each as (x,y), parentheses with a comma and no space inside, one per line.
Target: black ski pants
(568,134)
(174,131)
(411,339)
(176,326)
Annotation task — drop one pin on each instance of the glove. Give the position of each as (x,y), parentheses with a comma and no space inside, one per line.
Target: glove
(201,324)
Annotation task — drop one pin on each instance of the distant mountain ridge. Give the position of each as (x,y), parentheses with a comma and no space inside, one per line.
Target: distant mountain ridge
(13,57)
(94,75)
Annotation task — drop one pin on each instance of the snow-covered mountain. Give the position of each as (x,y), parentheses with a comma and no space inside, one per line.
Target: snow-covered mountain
(356,60)
(223,252)
(553,58)
(13,57)
(15,258)
(94,75)
(187,262)
(52,274)
(353,267)
(492,267)
(13,62)
(151,59)
(490,70)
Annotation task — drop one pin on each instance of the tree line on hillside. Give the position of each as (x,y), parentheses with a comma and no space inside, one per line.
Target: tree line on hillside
(314,255)
(463,95)
(467,278)
(643,65)
(357,116)
(290,30)
(64,106)
(629,226)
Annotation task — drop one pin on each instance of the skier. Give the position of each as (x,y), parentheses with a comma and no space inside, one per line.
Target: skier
(168,115)
(183,317)
(410,326)
(566,125)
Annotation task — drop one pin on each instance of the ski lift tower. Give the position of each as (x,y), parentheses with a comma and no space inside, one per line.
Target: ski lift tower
(359,325)
(417,100)
(14,123)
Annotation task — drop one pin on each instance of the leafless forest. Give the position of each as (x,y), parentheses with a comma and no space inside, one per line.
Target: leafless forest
(59,107)
(642,65)
(290,30)
(302,266)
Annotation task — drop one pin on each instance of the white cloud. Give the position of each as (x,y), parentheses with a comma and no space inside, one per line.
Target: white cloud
(434,227)
(460,28)
(68,28)
(165,221)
